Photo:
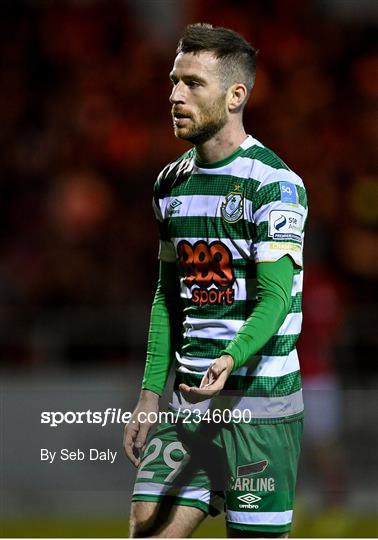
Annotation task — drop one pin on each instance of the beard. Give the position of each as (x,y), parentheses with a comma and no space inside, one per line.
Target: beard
(210,121)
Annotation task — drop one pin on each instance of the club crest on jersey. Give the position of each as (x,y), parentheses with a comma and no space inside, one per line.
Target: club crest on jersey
(232,207)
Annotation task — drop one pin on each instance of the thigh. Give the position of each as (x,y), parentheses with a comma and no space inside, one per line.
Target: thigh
(263,461)
(163,520)
(171,476)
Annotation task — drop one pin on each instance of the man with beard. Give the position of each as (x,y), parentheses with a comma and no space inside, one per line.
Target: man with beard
(227,308)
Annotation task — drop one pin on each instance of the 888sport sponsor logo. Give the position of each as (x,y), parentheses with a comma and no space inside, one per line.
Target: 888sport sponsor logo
(208,271)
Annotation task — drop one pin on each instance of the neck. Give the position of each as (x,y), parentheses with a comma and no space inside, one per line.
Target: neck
(226,141)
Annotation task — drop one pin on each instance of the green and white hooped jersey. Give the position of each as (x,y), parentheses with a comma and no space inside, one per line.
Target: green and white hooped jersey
(216,222)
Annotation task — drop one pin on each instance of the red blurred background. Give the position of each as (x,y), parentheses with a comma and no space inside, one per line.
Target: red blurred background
(85,128)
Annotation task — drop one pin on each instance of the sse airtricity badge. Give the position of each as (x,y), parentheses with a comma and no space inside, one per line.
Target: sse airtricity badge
(232,207)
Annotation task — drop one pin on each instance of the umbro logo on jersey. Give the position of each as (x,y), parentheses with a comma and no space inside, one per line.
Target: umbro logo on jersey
(175,203)
(172,208)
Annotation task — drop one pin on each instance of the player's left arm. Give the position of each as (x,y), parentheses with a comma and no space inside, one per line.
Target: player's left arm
(274,284)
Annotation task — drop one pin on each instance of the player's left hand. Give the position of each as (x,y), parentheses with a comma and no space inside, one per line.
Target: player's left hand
(212,382)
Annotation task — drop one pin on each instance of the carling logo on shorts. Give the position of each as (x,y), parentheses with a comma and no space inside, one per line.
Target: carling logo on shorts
(252,484)
(247,481)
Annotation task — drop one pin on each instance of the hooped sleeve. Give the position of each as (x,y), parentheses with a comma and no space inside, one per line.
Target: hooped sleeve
(274,284)
(166,312)
(164,332)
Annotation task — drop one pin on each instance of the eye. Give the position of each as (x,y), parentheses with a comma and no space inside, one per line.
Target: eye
(193,84)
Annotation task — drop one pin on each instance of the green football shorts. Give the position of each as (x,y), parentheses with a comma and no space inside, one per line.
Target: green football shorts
(248,470)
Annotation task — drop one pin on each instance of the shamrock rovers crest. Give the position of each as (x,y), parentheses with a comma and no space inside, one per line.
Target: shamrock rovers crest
(232,207)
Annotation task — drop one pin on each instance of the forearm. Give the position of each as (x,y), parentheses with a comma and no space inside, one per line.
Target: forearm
(274,283)
(161,335)
(148,397)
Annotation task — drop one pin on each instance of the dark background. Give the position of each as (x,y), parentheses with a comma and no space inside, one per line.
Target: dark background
(85,129)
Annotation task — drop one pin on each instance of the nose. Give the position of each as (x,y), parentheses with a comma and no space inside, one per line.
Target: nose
(177,94)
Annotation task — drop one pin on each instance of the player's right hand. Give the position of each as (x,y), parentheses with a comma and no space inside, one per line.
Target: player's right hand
(136,431)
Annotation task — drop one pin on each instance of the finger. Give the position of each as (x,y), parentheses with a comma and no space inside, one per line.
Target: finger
(187,392)
(130,453)
(140,441)
(131,432)
(209,389)
(216,369)
(201,394)
(211,374)
(212,377)
(195,395)
(205,379)
(184,388)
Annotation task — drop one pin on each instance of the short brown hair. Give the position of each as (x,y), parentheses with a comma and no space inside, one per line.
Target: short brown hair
(236,56)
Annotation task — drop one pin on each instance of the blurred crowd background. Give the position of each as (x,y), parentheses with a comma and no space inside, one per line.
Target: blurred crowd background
(85,129)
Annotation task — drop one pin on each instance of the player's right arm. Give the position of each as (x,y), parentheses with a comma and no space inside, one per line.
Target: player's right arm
(162,341)
(164,333)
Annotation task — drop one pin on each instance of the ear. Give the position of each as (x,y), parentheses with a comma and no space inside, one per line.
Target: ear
(237,94)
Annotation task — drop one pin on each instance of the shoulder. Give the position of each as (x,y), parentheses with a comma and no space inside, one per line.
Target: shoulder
(258,152)
(269,172)
(271,178)
(267,166)
(173,172)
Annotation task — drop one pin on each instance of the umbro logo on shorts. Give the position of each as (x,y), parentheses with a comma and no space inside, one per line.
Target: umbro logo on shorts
(249,501)
(249,498)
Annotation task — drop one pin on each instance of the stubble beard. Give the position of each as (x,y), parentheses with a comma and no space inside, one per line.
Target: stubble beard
(209,124)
